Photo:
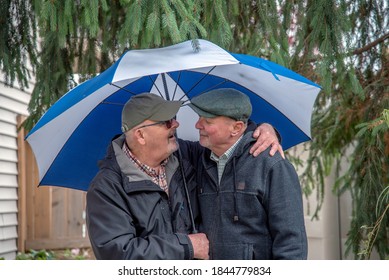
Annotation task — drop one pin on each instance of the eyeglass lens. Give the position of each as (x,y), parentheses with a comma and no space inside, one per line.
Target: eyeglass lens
(169,123)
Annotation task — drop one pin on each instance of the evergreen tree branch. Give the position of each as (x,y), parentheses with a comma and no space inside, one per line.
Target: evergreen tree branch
(371,45)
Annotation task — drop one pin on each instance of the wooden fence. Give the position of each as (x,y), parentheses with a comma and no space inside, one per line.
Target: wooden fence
(49,217)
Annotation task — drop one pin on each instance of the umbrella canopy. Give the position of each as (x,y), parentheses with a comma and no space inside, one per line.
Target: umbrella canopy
(74,133)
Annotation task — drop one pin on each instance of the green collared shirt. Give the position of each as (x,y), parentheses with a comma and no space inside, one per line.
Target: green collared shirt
(222,160)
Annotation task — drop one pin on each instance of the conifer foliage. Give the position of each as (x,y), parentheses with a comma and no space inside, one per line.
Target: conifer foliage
(341,45)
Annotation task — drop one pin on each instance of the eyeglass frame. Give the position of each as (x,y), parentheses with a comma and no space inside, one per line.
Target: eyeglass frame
(167,123)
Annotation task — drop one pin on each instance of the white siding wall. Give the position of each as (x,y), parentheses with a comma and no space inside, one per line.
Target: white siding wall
(324,242)
(327,235)
(13,102)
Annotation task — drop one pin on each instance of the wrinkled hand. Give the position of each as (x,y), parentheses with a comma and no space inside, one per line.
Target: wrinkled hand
(200,245)
(266,136)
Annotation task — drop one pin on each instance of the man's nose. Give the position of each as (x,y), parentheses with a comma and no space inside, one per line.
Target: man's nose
(175,123)
(198,124)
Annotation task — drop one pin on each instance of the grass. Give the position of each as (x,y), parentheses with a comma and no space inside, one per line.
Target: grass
(67,254)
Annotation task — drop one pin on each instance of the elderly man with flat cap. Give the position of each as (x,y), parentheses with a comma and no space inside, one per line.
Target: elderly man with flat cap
(251,207)
(137,206)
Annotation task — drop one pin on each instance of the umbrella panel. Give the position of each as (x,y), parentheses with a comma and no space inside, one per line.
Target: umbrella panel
(82,163)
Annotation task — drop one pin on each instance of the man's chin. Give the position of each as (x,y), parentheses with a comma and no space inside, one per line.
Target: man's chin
(203,143)
(173,143)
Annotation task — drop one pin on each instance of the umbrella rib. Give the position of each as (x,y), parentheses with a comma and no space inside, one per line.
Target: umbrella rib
(160,93)
(178,80)
(167,95)
(112,103)
(112,84)
(198,82)
(208,89)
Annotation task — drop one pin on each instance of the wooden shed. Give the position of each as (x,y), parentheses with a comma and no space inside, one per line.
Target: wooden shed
(51,217)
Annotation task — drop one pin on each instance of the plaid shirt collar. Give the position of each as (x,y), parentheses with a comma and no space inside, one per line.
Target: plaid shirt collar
(227,154)
(223,159)
(158,178)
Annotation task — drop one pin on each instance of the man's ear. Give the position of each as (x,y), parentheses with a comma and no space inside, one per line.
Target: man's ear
(139,137)
(238,128)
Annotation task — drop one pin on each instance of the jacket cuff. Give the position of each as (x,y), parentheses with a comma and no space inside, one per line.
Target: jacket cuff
(187,245)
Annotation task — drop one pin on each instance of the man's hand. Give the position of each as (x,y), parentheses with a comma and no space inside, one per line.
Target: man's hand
(266,136)
(200,245)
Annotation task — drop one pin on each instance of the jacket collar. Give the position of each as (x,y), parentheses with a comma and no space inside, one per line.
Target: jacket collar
(128,168)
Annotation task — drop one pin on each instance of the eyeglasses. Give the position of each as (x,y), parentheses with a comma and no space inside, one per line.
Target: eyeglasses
(168,124)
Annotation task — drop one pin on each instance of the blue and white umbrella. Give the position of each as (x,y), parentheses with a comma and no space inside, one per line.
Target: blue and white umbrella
(74,133)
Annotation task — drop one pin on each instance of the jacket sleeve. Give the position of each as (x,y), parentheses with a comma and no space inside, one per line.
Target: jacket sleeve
(112,231)
(285,212)
(190,150)
(251,126)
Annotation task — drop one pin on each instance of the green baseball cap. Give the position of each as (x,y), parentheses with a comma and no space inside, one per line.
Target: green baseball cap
(222,102)
(147,106)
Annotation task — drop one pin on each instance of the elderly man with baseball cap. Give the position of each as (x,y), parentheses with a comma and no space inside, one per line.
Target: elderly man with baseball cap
(251,207)
(137,206)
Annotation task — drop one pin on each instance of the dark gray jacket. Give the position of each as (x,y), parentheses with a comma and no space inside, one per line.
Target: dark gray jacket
(256,212)
(130,217)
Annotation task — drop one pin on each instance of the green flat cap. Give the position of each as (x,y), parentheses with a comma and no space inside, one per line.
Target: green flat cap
(222,102)
(147,106)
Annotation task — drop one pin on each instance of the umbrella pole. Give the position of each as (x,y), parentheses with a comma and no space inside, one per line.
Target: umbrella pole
(194,230)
